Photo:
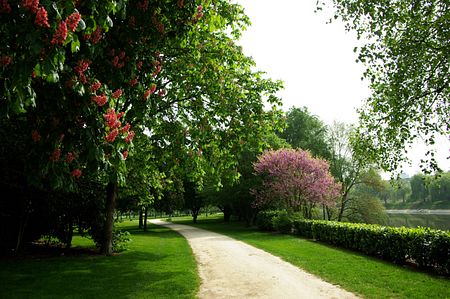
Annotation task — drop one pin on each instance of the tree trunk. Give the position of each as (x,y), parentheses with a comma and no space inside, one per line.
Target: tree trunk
(145,218)
(226,213)
(111,196)
(141,224)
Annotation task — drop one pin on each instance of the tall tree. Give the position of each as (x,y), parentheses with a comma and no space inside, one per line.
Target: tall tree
(305,131)
(89,76)
(406,46)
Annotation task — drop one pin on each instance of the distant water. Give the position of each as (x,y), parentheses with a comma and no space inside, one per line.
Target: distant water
(414,220)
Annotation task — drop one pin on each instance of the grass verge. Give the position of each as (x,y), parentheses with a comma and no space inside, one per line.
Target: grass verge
(366,276)
(158,264)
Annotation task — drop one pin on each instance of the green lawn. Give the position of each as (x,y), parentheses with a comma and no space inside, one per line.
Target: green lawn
(159,264)
(366,276)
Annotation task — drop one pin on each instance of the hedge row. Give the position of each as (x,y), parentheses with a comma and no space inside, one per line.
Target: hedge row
(424,246)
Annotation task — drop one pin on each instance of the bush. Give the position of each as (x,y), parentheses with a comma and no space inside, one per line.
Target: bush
(426,247)
(121,240)
(264,220)
(282,222)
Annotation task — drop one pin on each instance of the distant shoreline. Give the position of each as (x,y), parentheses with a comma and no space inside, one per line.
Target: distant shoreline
(420,211)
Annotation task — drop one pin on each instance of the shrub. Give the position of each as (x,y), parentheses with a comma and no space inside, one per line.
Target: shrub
(264,220)
(427,247)
(282,222)
(121,240)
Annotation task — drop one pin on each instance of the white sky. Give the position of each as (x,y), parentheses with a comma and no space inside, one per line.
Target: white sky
(316,62)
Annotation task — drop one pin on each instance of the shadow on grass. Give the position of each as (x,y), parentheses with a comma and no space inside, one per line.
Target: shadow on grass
(147,270)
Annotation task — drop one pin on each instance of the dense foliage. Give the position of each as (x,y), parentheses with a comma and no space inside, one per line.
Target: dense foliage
(84,80)
(424,246)
(405,46)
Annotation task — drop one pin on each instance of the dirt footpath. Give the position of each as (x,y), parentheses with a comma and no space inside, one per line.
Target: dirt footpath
(232,269)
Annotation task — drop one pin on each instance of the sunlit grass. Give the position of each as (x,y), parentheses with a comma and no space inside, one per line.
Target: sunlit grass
(366,276)
(158,264)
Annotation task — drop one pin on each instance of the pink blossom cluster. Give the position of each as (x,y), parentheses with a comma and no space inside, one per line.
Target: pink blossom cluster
(60,34)
(76,173)
(31,5)
(42,18)
(35,136)
(55,156)
(117,94)
(5,6)
(100,100)
(80,68)
(143,5)
(73,20)
(96,36)
(295,177)
(95,86)
(119,60)
(6,60)
(149,91)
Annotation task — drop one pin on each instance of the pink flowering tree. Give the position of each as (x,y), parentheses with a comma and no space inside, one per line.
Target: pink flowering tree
(88,77)
(294,180)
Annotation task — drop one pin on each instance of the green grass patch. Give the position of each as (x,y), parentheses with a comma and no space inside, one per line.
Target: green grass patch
(158,264)
(416,205)
(366,276)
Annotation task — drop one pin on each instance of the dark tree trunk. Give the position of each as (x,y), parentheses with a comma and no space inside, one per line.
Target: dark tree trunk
(145,218)
(111,196)
(194,217)
(141,224)
(226,213)
(69,235)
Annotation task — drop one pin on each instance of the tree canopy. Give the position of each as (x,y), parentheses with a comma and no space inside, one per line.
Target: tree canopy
(88,78)
(406,46)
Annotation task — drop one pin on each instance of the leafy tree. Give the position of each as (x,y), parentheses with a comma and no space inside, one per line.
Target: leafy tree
(294,180)
(440,187)
(345,164)
(89,76)
(305,131)
(419,189)
(406,46)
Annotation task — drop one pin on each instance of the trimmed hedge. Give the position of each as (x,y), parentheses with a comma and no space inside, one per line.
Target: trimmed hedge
(426,247)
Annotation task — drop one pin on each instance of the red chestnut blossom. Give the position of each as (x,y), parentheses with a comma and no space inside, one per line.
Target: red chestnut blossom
(110,117)
(119,115)
(82,66)
(112,135)
(35,136)
(149,91)
(143,5)
(96,36)
(31,5)
(125,128)
(180,3)
(134,81)
(56,155)
(100,100)
(4,6)
(156,72)
(60,35)
(70,156)
(132,21)
(139,64)
(129,136)
(95,86)
(42,18)
(294,178)
(6,60)
(76,173)
(72,21)
(117,94)
(125,154)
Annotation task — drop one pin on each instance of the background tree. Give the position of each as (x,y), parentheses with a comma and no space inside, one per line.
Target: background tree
(405,48)
(306,131)
(294,180)
(419,189)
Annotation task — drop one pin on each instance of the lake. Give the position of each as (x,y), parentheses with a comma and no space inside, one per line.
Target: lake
(414,220)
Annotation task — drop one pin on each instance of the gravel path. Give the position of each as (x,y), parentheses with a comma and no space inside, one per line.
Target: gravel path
(232,269)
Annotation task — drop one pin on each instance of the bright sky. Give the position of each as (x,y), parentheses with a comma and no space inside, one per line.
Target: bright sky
(316,62)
